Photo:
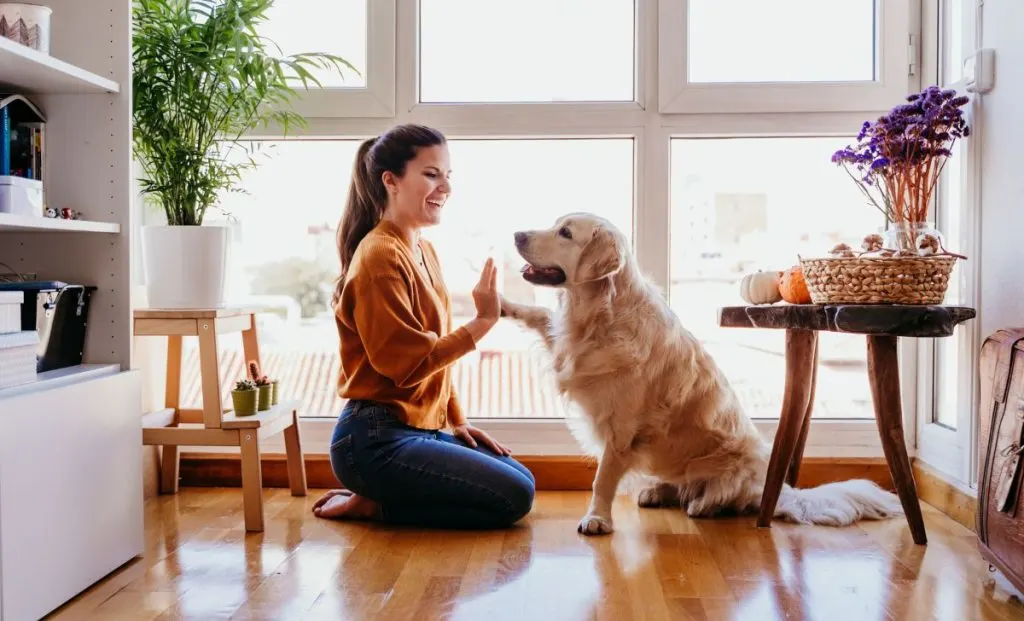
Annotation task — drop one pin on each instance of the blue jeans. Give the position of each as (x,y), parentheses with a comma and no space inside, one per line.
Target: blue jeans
(426,478)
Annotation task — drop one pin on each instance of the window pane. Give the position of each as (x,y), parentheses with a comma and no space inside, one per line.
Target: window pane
(740,205)
(781,41)
(954,50)
(327,26)
(947,350)
(499,187)
(526,51)
(284,254)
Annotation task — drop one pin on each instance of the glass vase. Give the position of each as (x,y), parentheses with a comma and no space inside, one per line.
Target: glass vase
(903,235)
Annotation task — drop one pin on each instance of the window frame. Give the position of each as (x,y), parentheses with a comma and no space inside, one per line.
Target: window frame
(651,127)
(377,98)
(897,53)
(953,452)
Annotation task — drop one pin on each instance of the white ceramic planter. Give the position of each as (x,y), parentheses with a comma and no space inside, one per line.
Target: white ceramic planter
(185,266)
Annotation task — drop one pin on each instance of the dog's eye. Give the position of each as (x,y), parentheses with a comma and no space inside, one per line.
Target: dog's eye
(565,232)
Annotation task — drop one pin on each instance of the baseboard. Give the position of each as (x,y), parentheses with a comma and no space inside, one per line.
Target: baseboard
(573,472)
(553,472)
(933,489)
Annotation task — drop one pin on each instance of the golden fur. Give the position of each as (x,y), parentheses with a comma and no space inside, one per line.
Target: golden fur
(653,401)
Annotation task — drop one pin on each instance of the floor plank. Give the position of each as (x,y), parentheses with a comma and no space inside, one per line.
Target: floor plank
(658,565)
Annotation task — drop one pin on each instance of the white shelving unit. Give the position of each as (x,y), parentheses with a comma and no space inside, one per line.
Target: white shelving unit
(74,434)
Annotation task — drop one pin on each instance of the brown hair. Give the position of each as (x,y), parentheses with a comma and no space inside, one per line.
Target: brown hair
(367,196)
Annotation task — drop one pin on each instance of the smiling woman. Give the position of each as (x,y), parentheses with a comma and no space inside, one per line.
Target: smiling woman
(390,447)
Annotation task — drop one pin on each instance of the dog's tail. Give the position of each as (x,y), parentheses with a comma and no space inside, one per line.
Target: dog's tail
(837,504)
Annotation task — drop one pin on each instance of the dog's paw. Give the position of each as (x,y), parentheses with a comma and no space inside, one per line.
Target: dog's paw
(660,495)
(701,508)
(508,309)
(595,525)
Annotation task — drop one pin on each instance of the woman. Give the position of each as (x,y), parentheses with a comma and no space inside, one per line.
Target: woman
(397,347)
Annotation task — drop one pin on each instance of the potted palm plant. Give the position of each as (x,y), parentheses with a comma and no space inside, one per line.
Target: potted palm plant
(203,77)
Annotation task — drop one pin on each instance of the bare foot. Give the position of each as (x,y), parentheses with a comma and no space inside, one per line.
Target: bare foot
(344,505)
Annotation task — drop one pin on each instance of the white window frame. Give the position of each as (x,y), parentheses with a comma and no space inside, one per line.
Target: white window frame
(651,129)
(377,98)
(897,50)
(952,452)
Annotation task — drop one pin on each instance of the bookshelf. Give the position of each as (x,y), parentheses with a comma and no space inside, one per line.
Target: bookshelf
(74,434)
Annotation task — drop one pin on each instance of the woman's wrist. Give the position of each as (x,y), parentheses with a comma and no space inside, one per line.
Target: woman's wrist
(478,327)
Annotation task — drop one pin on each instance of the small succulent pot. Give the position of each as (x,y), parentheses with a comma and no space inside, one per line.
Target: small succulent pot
(273,392)
(263,402)
(244,398)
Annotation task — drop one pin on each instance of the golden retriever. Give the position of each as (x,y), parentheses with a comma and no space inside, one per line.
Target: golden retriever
(653,401)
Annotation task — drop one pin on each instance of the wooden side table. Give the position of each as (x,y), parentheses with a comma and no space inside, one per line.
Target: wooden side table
(883,325)
(211,425)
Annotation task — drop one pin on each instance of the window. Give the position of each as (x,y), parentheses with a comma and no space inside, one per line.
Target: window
(472,51)
(948,370)
(948,350)
(741,205)
(360,31)
(549,107)
(783,56)
(502,186)
(773,43)
(284,254)
(329,26)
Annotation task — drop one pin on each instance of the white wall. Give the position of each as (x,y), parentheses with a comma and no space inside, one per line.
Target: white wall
(1002,167)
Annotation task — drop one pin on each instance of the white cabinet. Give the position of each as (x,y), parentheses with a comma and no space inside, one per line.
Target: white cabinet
(70,490)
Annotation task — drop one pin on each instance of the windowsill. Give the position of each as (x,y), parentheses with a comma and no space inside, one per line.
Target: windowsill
(839,439)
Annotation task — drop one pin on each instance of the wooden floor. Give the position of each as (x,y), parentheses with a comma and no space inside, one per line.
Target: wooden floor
(200,564)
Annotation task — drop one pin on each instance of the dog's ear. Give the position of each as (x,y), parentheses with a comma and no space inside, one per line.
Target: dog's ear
(602,257)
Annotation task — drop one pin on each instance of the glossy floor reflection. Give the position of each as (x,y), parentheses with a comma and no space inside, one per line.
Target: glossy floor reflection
(200,564)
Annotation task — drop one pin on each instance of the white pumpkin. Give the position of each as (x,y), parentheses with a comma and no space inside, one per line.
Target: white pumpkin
(761,288)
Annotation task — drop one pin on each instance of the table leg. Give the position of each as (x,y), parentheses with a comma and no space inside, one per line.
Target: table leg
(798,454)
(884,375)
(800,349)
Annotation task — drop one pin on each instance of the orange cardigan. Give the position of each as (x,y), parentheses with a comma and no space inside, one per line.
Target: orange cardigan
(395,327)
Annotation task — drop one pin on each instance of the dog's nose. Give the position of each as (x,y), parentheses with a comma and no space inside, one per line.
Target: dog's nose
(520,239)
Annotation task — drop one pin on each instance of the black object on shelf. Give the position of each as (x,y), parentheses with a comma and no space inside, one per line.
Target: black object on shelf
(59,312)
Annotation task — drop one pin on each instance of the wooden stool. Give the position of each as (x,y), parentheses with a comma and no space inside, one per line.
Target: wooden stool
(882,324)
(211,425)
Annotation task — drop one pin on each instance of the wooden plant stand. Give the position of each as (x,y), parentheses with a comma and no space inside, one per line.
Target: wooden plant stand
(211,425)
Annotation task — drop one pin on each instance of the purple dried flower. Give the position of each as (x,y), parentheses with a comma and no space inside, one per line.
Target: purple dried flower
(901,154)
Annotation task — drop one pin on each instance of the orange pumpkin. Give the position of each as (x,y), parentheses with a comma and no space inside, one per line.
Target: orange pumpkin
(793,287)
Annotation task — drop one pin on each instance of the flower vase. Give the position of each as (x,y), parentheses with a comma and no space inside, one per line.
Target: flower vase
(273,392)
(903,235)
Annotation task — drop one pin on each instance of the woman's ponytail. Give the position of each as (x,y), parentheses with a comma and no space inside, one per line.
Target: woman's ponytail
(363,211)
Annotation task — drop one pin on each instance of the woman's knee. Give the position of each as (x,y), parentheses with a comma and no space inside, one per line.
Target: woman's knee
(519,492)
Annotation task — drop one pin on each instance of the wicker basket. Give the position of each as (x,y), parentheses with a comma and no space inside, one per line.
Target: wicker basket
(878,280)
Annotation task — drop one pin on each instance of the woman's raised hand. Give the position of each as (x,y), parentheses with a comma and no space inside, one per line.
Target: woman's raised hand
(485,293)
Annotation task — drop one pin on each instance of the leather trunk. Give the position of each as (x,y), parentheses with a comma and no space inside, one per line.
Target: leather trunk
(1000,517)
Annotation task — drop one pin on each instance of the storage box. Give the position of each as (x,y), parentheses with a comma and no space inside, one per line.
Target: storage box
(27,24)
(21,196)
(18,358)
(10,311)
